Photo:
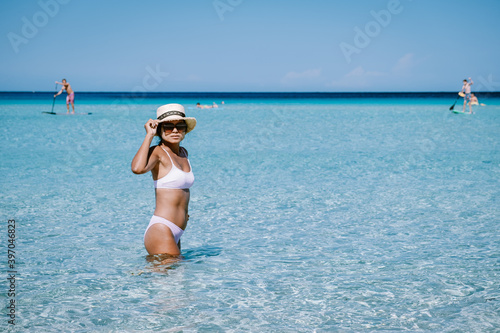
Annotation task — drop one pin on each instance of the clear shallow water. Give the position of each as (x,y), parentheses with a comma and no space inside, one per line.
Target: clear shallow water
(307,215)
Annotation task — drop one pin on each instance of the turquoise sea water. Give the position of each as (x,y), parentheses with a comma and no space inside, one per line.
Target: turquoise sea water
(307,215)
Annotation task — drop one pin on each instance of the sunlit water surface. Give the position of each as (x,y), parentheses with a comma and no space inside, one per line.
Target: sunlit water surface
(343,215)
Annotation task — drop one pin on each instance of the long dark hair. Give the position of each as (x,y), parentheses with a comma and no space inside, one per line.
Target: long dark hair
(159,129)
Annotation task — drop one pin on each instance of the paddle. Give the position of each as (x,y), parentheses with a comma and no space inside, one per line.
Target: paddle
(53,102)
(451,107)
(459,95)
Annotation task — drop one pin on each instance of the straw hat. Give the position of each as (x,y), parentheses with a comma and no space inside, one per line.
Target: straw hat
(171,112)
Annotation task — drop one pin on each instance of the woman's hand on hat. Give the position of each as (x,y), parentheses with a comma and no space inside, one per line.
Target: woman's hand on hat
(151,126)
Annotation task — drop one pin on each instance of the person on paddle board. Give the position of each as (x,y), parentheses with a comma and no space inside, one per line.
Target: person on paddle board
(71,94)
(467,93)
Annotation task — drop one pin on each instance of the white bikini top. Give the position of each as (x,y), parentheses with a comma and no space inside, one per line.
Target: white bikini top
(176,178)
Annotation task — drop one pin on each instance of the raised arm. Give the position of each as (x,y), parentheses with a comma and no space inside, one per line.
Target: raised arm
(145,159)
(59,93)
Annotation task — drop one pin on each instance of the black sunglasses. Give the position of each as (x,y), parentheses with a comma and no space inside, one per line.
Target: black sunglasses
(181,127)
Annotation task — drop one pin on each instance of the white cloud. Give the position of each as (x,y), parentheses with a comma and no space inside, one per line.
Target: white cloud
(193,78)
(294,77)
(359,72)
(357,78)
(404,65)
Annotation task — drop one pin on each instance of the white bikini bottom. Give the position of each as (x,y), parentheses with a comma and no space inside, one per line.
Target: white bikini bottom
(176,231)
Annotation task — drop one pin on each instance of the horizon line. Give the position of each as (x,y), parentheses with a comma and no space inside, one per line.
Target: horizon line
(246,92)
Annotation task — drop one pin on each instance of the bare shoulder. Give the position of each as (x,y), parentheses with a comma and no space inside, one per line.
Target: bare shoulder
(156,154)
(160,154)
(156,158)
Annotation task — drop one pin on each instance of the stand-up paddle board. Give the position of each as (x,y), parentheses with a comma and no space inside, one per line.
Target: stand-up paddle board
(67,114)
(460,112)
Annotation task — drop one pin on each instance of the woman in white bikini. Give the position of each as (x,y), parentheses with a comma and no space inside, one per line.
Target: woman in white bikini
(172,175)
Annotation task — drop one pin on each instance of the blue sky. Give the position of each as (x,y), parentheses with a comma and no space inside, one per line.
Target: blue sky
(249,45)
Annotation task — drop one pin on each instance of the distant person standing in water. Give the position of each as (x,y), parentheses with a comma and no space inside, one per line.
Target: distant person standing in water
(475,101)
(467,93)
(71,94)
